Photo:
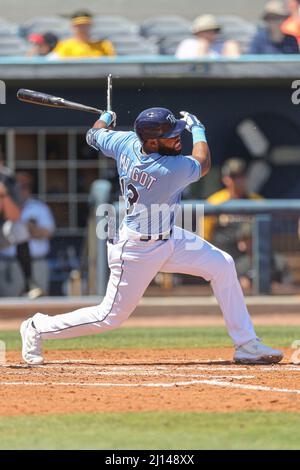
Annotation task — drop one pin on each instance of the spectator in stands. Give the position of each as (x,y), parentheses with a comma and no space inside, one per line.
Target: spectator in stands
(280,272)
(42,44)
(206,41)
(38,220)
(12,231)
(222,230)
(81,44)
(292,24)
(270,39)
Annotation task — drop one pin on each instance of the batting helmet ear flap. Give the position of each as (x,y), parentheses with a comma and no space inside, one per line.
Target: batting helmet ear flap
(157,123)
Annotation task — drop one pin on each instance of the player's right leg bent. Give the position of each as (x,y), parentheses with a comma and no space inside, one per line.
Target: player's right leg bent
(195,256)
(133,265)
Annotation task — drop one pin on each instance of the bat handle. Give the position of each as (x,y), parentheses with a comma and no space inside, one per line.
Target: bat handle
(109,92)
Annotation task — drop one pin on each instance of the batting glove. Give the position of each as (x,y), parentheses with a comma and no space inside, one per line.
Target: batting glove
(191,121)
(109,117)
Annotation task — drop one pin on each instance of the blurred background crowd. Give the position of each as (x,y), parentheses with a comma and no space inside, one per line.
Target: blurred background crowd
(84,34)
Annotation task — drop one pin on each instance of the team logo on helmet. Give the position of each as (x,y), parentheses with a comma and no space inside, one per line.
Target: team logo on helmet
(171,118)
(157,123)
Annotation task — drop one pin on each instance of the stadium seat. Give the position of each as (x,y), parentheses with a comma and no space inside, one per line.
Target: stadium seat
(106,25)
(4,21)
(12,46)
(116,36)
(59,26)
(108,32)
(169,44)
(234,27)
(163,26)
(135,46)
(8,29)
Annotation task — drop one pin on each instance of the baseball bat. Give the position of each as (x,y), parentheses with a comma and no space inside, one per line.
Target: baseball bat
(43,99)
(109,92)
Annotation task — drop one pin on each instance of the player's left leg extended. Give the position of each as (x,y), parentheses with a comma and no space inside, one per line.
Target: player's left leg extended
(133,265)
(195,256)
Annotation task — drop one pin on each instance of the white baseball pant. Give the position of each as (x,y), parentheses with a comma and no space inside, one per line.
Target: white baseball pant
(133,264)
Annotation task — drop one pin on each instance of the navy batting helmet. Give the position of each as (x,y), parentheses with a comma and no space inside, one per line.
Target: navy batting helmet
(158,123)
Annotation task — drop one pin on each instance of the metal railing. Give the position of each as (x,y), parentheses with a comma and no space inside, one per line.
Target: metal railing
(262,212)
(255,66)
(97,251)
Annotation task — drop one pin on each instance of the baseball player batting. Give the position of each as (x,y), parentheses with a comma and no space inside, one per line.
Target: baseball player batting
(152,172)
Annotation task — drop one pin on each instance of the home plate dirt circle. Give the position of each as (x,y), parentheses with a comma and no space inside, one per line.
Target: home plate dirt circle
(116,380)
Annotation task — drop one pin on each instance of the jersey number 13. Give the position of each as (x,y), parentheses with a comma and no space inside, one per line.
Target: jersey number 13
(130,193)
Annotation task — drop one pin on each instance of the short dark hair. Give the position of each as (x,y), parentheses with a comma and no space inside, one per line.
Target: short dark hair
(234,167)
(50,39)
(79,13)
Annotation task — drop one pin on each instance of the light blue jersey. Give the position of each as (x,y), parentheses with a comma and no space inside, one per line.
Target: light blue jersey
(151,184)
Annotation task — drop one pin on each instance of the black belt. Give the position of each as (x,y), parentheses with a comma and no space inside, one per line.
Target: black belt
(162,236)
(147,238)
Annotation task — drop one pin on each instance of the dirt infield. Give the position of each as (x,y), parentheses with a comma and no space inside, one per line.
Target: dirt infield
(144,380)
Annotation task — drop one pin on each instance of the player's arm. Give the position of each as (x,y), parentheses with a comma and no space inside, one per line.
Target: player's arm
(43,226)
(201,151)
(102,137)
(107,120)
(38,232)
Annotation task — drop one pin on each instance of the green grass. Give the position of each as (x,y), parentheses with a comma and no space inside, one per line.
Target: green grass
(155,430)
(165,338)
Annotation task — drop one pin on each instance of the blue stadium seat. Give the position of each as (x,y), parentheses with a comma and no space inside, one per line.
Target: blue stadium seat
(163,26)
(103,26)
(135,46)
(12,46)
(169,44)
(8,29)
(234,27)
(59,26)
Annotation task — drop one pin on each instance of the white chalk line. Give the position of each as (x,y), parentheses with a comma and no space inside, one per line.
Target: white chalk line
(157,385)
(169,361)
(282,368)
(250,387)
(130,374)
(191,363)
(51,366)
(155,370)
(103,384)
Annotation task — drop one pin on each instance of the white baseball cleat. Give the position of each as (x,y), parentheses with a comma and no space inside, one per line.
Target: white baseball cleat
(255,352)
(31,344)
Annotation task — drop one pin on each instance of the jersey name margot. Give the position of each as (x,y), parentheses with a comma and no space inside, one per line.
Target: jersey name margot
(149,205)
(135,174)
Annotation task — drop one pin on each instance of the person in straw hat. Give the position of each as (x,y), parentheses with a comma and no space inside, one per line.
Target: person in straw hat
(206,41)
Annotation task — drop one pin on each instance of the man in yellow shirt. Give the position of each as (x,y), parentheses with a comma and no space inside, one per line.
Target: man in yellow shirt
(81,45)
(222,230)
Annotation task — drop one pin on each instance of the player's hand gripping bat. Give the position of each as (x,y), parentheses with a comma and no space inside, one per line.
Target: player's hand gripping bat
(109,102)
(43,99)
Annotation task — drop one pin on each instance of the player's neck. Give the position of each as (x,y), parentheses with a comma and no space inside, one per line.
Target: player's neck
(144,152)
